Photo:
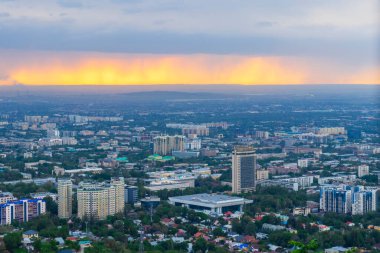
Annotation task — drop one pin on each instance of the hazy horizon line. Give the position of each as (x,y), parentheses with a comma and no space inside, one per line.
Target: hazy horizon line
(189,84)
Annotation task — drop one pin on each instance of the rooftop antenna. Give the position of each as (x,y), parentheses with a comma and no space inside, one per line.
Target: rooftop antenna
(151,213)
(86,227)
(141,246)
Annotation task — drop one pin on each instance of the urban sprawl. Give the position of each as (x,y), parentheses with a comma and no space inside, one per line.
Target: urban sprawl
(265,178)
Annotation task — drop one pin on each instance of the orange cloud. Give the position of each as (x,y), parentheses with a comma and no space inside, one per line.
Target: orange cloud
(51,68)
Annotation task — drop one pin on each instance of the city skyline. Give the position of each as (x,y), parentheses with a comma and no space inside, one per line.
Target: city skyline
(211,126)
(177,171)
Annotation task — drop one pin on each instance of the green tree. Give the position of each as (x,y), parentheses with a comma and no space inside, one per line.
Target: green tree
(218,232)
(304,248)
(12,241)
(51,206)
(200,245)
(280,238)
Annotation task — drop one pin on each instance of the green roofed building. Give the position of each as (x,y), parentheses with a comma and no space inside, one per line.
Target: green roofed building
(122,159)
(159,158)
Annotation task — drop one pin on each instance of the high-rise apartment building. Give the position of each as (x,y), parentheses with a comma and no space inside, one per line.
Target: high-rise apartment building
(164,145)
(97,201)
(303,163)
(363,170)
(243,169)
(52,133)
(364,200)
(93,202)
(196,129)
(21,210)
(193,144)
(35,119)
(348,199)
(65,198)
(262,134)
(331,130)
(118,183)
(335,199)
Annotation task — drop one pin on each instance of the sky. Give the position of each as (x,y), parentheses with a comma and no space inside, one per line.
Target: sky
(122,42)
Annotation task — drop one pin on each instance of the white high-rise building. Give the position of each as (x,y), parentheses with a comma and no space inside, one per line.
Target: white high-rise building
(303,163)
(243,169)
(52,133)
(65,198)
(193,143)
(69,141)
(363,170)
(262,134)
(364,200)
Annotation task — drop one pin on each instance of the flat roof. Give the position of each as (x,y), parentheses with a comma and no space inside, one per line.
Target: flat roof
(210,199)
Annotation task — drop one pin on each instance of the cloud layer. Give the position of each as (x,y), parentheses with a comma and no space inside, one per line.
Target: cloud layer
(217,41)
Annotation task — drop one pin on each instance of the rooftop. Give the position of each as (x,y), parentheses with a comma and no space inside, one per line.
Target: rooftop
(209,198)
(30,232)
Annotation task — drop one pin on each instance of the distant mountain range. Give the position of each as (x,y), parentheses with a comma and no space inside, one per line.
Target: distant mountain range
(191,90)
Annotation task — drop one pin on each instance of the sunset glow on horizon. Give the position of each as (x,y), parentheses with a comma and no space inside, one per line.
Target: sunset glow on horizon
(147,69)
(199,69)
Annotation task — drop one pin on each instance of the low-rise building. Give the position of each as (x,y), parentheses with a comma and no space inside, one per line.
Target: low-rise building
(215,203)
(42,195)
(6,197)
(262,174)
(30,234)
(301,211)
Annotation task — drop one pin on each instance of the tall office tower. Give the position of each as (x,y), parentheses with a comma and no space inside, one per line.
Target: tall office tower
(65,198)
(164,145)
(363,170)
(118,183)
(131,194)
(243,169)
(335,199)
